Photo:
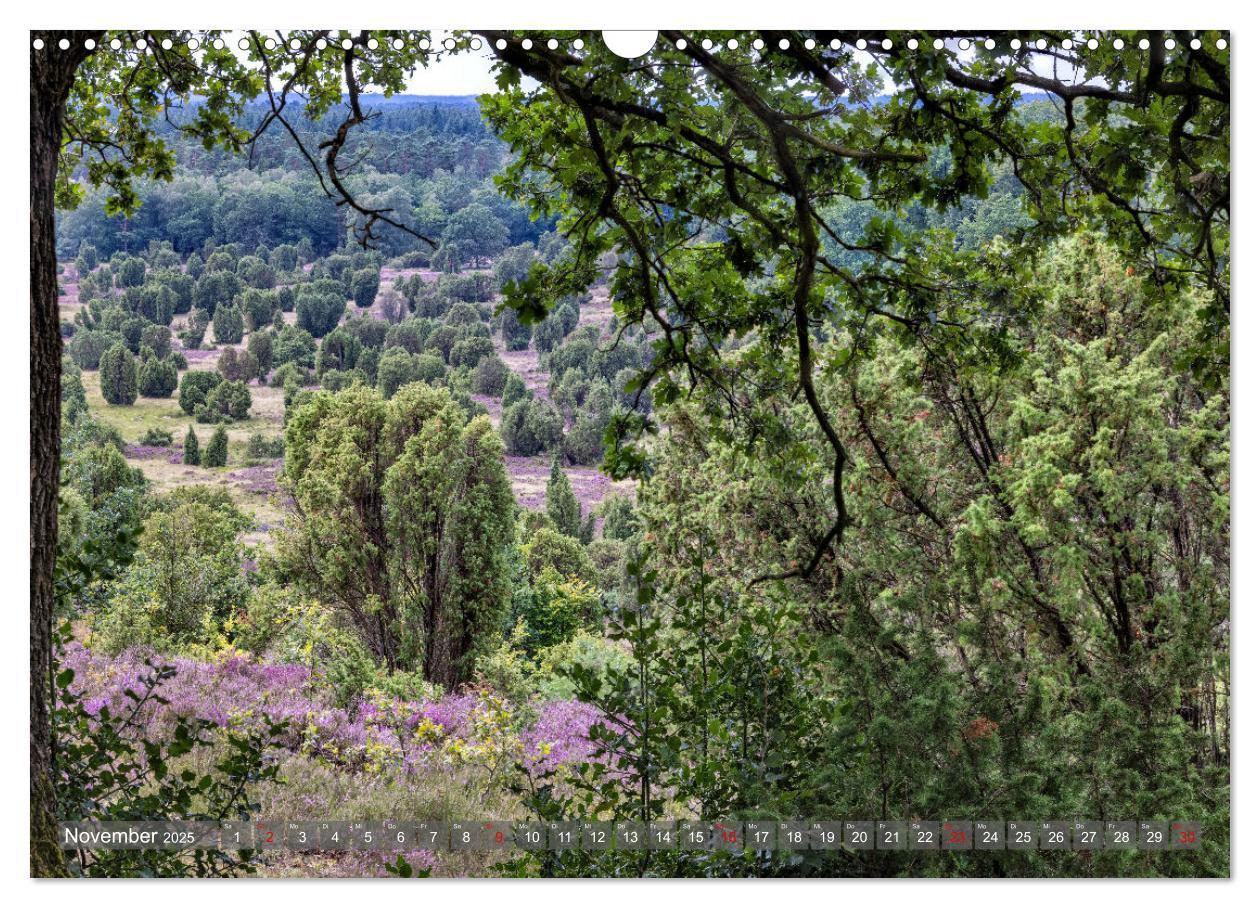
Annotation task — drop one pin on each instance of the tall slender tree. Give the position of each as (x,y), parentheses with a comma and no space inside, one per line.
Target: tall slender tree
(562,505)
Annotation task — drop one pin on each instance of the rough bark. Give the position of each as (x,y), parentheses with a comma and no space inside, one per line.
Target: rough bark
(52,74)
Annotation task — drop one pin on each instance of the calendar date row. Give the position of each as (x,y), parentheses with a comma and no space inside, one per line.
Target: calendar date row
(664,835)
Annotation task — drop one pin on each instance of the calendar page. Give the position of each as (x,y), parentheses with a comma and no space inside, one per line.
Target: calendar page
(626,454)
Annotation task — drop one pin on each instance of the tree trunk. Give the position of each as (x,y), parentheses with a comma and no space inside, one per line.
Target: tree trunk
(52,74)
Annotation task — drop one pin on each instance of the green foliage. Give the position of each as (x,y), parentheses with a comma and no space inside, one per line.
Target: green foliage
(513,265)
(194,387)
(237,365)
(194,333)
(379,485)
(513,390)
(620,521)
(516,334)
(555,607)
(293,345)
(364,285)
(256,273)
(185,580)
(476,233)
(158,378)
(583,653)
(490,376)
(339,350)
(192,448)
(119,382)
(157,338)
(214,289)
(258,308)
(129,272)
(259,447)
(562,505)
(261,348)
(87,252)
(154,302)
(470,351)
(397,368)
(229,324)
(73,395)
(549,549)
(228,400)
(161,438)
(216,452)
(934,512)
(88,346)
(320,306)
(531,426)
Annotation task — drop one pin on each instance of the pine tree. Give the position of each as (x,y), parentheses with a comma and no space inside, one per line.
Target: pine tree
(562,504)
(192,448)
(216,451)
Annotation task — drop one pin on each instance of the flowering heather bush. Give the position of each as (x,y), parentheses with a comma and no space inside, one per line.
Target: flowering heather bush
(381,735)
(260,479)
(199,356)
(146,452)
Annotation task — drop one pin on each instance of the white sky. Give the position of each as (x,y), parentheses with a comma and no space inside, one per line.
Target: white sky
(467,73)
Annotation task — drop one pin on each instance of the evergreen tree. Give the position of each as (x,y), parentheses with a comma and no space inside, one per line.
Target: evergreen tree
(192,449)
(73,396)
(364,284)
(229,325)
(158,378)
(216,451)
(119,381)
(394,496)
(562,505)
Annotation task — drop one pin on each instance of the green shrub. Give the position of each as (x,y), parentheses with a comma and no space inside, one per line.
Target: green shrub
(339,381)
(194,333)
(260,348)
(531,426)
(556,608)
(192,448)
(237,365)
(293,345)
(73,395)
(290,372)
(158,438)
(258,307)
(194,387)
(320,306)
(513,389)
(216,451)
(516,336)
(490,376)
(364,285)
(585,653)
(562,505)
(158,378)
(259,447)
(550,549)
(119,380)
(229,325)
(620,520)
(228,400)
(88,346)
(469,351)
(214,289)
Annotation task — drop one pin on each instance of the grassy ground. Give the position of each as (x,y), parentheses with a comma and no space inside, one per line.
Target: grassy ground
(146,413)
